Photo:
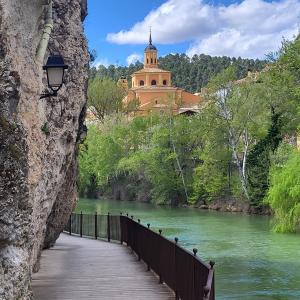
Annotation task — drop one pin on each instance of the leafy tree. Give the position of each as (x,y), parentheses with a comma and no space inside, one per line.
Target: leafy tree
(241,111)
(105,97)
(284,194)
(279,92)
(165,159)
(152,149)
(210,178)
(131,106)
(259,161)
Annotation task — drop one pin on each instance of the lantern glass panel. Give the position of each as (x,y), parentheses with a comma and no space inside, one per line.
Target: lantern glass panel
(55,77)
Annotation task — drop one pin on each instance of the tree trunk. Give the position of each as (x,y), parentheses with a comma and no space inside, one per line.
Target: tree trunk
(246,143)
(238,164)
(178,162)
(181,172)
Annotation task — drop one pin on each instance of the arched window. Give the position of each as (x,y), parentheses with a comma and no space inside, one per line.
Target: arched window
(142,83)
(147,61)
(151,60)
(153,82)
(165,82)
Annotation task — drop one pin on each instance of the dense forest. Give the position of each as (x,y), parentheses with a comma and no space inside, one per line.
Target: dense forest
(241,145)
(190,74)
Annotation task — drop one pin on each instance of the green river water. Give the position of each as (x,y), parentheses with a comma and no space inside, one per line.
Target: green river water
(251,261)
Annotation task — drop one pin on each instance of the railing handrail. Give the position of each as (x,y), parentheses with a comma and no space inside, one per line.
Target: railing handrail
(135,235)
(189,252)
(210,283)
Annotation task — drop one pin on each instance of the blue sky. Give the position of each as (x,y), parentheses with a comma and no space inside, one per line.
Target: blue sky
(118,30)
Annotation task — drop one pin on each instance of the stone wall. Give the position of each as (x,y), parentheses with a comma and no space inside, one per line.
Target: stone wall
(38,138)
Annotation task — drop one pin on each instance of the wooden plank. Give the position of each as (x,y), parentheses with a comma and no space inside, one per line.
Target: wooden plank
(79,268)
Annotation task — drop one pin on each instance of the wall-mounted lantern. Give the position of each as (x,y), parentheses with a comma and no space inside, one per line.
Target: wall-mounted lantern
(55,69)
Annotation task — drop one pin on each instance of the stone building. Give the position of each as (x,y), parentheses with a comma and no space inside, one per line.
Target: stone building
(153,88)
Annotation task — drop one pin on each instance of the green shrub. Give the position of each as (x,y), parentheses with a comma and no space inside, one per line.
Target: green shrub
(284,194)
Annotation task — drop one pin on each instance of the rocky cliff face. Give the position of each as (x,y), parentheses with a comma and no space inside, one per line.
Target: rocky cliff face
(38,138)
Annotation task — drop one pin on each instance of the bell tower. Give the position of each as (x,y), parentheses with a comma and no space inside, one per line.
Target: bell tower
(150,55)
(122,82)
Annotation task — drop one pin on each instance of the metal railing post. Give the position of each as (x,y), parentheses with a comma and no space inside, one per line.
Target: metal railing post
(137,241)
(127,230)
(81,217)
(70,225)
(194,277)
(212,264)
(132,235)
(108,227)
(160,276)
(175,268)
(96,226)
(121,228)
(148,265)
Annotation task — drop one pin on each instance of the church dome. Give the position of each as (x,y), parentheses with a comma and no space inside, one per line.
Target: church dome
(150,47)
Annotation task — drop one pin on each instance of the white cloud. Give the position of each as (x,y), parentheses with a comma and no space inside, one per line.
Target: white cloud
(101,61)
(133,58)
(232,42)
(251,28)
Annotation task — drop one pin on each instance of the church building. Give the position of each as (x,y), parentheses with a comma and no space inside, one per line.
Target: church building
(153,88)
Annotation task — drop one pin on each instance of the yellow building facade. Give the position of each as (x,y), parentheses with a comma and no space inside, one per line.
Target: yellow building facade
(153,88)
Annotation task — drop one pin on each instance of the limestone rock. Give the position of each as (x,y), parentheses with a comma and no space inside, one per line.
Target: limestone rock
(37,166)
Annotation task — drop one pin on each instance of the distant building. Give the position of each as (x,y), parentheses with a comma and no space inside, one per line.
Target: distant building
(153,88)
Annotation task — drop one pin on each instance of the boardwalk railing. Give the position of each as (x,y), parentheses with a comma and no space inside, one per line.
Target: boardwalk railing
(184,272)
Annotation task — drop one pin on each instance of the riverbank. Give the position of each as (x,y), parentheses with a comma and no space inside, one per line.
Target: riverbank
(233,206)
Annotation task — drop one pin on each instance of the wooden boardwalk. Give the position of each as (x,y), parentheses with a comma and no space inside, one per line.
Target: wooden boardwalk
(79,268)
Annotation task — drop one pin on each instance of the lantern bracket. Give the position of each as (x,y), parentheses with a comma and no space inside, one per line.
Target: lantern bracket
(48,95)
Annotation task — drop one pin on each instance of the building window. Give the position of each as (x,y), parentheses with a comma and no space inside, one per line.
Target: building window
(165,82)
(147,61)
(151,60)
(142,83)
(153,82)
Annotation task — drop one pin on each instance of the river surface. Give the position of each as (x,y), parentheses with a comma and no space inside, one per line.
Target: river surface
(251,261)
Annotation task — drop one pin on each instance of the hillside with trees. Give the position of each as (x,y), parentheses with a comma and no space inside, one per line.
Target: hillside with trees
(190,74)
